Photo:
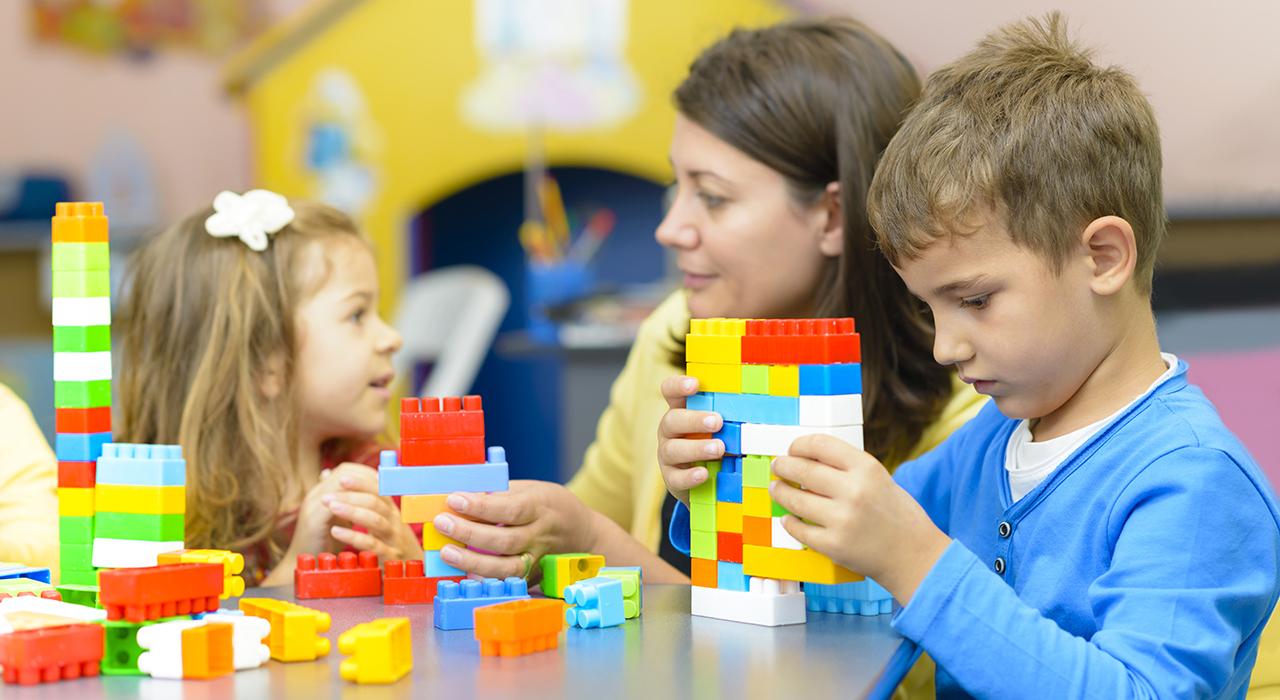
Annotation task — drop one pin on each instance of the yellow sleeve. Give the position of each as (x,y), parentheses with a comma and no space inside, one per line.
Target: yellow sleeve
(964,405)
(28,488)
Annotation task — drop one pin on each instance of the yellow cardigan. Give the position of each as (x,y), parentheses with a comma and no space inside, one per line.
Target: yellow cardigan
(619,475)
(28,488)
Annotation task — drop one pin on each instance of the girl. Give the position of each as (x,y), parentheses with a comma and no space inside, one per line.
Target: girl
(252,338)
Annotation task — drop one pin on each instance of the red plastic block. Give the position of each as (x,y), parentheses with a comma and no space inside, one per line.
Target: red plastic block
(50,594)
(729,547)
(434,418)
(83,420)
(344,575)
(77,475)
(159,591)
(51,654)
(427,453)
(404,584)
(808,341)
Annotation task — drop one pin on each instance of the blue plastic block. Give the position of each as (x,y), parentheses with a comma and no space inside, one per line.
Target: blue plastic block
(701,401)
(729,576)
(456,602)
(434,567)
(142,465)
(830,380)
(731,434)
(407,481)
(857,598)
(23,571)
(597,602)
(731,464)
(729,486)
(80,447)
(755,408)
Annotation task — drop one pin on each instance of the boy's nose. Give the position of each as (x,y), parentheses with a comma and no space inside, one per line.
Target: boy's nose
(950,349)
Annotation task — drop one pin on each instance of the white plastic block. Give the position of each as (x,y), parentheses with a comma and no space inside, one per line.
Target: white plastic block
(81,366)
(163,644)
(82,311)
(29,605)
(129,554)
(781,539)
(768,602)
(246,638)
(775,440)
(845,409)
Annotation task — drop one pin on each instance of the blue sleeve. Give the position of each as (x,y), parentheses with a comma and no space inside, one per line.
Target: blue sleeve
(678,530)
(1191,582)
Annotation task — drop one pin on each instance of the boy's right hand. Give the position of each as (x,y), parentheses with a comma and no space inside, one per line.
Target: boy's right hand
(684,437)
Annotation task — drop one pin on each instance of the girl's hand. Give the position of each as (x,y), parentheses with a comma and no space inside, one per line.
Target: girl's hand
(684,438)
(357,502)
(520,525)
(311,531)
(850,509)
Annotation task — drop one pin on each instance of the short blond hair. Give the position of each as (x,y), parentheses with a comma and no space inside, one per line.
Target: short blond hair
(1028,128)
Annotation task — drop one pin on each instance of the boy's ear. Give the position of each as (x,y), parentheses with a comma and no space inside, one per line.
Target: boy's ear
(1112,253)
(831,238)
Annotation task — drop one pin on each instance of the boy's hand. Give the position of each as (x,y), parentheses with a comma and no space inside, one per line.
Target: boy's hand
(684,438)
(850,509)
(357,502)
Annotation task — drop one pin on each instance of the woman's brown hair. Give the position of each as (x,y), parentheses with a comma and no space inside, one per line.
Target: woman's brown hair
(817,100)
(208,327)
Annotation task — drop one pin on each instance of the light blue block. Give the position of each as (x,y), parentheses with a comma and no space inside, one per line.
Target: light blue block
(80,447)
(830,380)
(142,465)
(729,576)
(407,481)
(701,401)
(597,602)
(857,598)
(731,434)
(456,601)
(756,408)
(434,567)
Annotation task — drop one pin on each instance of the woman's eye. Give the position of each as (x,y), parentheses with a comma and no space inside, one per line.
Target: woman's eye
(711,201)
(978,302)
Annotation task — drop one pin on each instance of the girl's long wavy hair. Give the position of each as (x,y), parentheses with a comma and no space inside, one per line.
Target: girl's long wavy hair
(205,321)
(817,100)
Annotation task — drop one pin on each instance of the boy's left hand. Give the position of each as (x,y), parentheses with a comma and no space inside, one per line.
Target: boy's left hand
(850,509)
(358,503)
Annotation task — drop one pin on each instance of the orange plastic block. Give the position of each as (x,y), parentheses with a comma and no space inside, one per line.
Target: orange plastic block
(803,565)
(421,508)
(519,627)
(704,572)
(434,418)
(207,651)
(295,630)
(757,531)
(381,651)
(809,341)
(232,566)
(79,222)
(50,654)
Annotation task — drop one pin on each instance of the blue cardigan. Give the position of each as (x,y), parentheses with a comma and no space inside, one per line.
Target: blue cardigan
(1146,565)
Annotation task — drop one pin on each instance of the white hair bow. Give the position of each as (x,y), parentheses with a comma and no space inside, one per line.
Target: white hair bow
(251,216)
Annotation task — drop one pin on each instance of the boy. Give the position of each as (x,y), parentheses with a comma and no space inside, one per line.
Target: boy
(1096,531)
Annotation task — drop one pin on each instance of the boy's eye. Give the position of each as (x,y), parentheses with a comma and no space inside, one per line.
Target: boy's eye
(978,302)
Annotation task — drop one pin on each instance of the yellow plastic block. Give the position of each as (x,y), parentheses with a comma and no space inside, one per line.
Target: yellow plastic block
(729,517)
(715,341)
(784,380)
(150,500)
(295,630)
(722,378)
(803,565)
(75,502)
(381,651)
(232,566)
(423,509)
(756,502)
(559,571)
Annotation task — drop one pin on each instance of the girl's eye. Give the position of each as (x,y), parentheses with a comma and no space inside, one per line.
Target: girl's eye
(357,315)
(978,302)
(711,201)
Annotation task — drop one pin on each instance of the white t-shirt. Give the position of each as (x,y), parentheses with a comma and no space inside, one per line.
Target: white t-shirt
(1029,463)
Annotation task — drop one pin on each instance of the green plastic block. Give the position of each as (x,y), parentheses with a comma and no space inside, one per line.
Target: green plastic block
(755,471)
(75,556)
(73,529)
(168,527)
(755,379)
(702,516)
(702,545)
(78,577)
(777,511)
(576,568)
(81,256)
(81,338)
(81,283)
(120,656)
(706,491)
(632,588)
(78,594)
(82,394)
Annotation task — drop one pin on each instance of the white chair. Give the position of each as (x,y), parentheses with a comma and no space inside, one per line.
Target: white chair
(448,317)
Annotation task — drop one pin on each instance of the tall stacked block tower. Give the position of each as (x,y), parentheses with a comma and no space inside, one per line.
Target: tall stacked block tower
(81,375)
(771,381)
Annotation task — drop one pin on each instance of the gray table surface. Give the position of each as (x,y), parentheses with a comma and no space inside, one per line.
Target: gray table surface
(665,653)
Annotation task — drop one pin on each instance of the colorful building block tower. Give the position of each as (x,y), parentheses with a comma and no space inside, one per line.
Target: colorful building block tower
(771,381)
(441,451)
(141,503)
(81,375)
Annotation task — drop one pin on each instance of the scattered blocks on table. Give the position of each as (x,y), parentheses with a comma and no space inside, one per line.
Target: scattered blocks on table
(344,575)
(159,591)
(864,597)
(405,583)
(596,602)
(295,630)
(381,651)
(561,570)
(766,602)
(519,627)
(456,602)
(632,587)
(50,654)
(121,653)
(248,634)
(396,480)
(191,649)
(232,566)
